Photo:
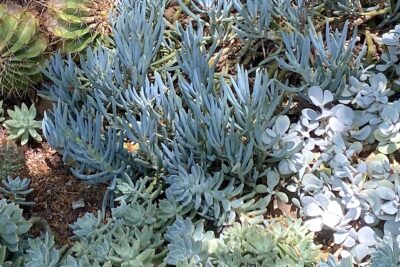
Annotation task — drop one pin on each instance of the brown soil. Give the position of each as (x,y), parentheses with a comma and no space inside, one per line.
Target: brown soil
(55,189)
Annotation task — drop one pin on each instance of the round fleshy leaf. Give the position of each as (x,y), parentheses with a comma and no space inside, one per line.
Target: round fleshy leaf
(381,67)
(390,207)
(316,95)
(272,179)
(367,236)
(340,158)
(266,139)
(261,189)
(345,115)
(331,220)
(361,251)
(372,198)
(392,227)
(291,188)
(237,203)
(347,258)
(271,133)
(334,214)
(385,193)
(389,38)
(282,124)
(388,148)
(314,225)
(311,182)
(362,134)
(328,97)
(309,114)
(282,197)
(323,200)
(353,214)
(335,208)
(370,218)
(312,210)
(284,167)
(305,200)
(390,112)
(349,242)
(336,125)
(384,130)
(296,202)
(340,237)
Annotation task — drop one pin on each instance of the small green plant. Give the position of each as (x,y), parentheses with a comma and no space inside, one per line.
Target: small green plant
(16,190)
(22,124)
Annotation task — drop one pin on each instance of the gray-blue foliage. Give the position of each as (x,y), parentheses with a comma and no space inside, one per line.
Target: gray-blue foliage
(189,124)
(183,144)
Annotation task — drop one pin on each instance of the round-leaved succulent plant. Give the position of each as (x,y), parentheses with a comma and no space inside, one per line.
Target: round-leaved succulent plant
(391,56)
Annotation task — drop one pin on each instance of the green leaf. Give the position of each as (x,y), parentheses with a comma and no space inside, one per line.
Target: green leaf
(24,138)
(12,123)
(261,189)
(282,197)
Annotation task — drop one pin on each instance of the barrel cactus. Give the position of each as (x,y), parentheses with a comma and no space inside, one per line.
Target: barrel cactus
(21,50)
(77,23)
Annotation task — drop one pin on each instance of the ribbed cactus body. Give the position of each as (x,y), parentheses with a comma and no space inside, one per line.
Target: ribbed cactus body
(77,23)
(22,48)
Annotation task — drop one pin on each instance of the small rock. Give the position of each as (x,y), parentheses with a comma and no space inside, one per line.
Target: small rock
(78,204)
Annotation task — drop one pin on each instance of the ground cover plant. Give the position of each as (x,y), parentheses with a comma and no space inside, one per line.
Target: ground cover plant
(216,133)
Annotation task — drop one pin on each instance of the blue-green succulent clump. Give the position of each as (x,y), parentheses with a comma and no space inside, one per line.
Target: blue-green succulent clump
(188,138)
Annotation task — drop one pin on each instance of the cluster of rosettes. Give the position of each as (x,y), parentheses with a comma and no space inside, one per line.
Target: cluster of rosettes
(221,149)
(353,178)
